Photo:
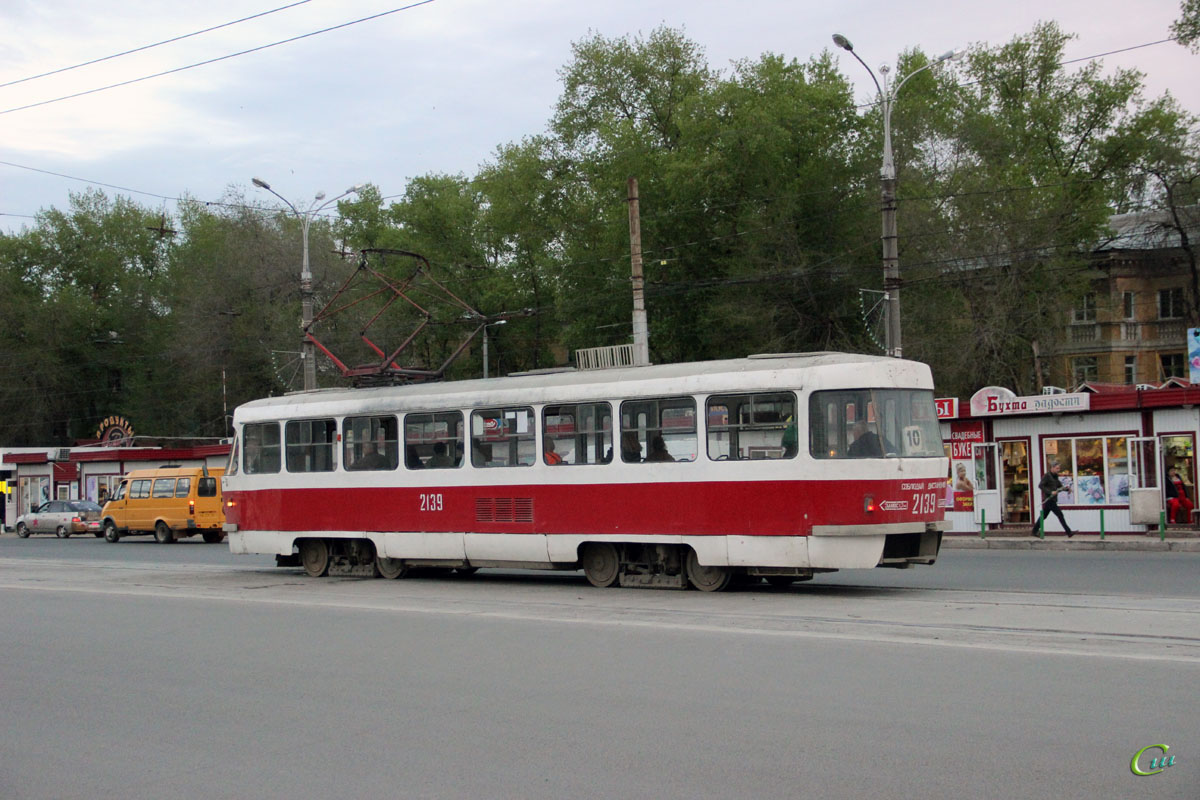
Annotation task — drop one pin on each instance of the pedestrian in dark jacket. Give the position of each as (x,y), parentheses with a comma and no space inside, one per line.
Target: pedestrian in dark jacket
(1051,488)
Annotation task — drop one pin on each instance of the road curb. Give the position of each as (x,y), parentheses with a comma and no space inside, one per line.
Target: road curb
(1133,544)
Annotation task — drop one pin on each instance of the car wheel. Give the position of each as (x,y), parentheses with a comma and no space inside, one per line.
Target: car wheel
(163,533)
(111,534)
(22,531)
(62,532)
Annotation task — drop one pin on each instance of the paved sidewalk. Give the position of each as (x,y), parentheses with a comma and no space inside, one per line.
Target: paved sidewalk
(997,540)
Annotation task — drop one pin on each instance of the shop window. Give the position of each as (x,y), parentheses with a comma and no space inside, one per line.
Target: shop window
(1094,469)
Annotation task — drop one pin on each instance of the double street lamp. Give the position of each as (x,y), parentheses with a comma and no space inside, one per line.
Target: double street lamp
(887,179)
(307,353)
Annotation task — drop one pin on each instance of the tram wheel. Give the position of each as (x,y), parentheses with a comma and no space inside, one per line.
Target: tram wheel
(390,568)
(600,564)
(314,557)
(706,579)
(781,581)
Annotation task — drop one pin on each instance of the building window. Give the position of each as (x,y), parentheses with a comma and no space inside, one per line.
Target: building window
(1131,369)
(1172,365)
(1084,369)
(1128,305)
(1170,303)
(1086,310)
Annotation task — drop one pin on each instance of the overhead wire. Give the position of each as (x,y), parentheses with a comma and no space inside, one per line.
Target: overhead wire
(144,47)
(218,59)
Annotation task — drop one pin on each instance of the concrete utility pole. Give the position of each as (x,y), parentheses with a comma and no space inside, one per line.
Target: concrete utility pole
(641,330)
(887,186)
(307,352)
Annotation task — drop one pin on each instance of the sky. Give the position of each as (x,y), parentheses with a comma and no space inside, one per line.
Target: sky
(432,88)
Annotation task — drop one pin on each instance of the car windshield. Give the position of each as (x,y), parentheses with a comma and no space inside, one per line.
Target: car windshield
(84,505)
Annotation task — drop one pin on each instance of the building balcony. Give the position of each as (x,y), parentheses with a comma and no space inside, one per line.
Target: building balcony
(1107,337)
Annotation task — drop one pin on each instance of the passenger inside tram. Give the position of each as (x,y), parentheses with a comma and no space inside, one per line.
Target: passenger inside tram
(631,448)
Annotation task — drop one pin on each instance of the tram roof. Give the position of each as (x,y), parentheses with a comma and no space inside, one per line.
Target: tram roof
(570,385)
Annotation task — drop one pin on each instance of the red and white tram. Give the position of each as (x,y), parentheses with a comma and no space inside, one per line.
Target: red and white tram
(773,466)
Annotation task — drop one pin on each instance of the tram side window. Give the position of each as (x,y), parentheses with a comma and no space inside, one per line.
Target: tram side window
(262,450)
(663,429)
(503,437)
(577,434)
(842,425)
(370,443)
(752,426)
(874,423)
(309,445)
(433,441)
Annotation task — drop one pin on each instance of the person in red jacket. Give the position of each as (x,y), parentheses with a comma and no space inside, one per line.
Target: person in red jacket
(1179,504)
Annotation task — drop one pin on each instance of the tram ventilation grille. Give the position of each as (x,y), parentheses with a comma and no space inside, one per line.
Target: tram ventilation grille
(504,509)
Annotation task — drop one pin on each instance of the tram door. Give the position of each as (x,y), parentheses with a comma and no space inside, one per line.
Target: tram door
(1145,490)
(987,486)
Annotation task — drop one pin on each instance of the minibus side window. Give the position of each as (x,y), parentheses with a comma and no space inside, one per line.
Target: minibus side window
(183,487)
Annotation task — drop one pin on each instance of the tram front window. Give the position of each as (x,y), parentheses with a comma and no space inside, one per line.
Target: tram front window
(874,423)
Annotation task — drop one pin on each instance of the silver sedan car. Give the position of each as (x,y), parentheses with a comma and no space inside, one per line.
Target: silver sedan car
(62,518)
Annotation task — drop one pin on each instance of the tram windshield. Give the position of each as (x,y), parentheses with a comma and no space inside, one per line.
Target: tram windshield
(874,423)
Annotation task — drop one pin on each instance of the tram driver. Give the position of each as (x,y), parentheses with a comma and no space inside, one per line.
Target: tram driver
(866,443)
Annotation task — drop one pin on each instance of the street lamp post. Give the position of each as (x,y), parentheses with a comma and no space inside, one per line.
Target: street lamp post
(307,353)
(887,182)
(485,343)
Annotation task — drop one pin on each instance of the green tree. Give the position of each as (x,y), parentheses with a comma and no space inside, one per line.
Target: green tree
(1041,158)
(1187,27)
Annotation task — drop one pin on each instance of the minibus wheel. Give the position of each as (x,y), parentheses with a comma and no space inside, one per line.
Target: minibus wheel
(163,533)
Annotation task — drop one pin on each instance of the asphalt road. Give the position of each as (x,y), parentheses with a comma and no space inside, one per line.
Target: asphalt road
(143,671)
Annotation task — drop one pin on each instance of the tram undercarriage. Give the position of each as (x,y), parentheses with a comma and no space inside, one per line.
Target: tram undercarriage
(629,564)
